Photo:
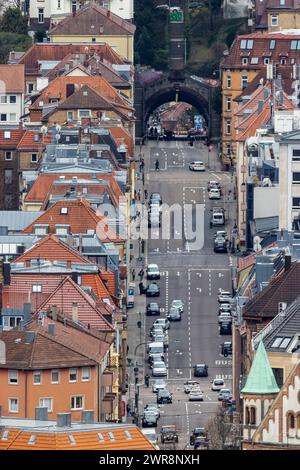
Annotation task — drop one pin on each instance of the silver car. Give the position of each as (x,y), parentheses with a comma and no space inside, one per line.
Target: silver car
(159,369)
(158,384)
(164,322)
(178,304)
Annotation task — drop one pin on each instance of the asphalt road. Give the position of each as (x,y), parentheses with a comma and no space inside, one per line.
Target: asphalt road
(192,272)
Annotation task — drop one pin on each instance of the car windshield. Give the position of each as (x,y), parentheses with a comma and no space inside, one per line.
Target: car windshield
(219,382)
(160,365)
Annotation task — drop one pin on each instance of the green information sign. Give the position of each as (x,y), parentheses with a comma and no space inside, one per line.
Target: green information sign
(176,16)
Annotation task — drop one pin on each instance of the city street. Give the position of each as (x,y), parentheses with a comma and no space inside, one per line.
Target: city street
(192,275)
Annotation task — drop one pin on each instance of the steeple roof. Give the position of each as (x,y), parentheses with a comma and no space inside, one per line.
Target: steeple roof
(261,379)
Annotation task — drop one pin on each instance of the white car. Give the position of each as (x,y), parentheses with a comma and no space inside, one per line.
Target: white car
(177,304)
(163,322)
(195,394)
(159,369)
(224,308)
(224,394)
(197,166)
(158,384)
(189,385)
(153,272)
(214,193)
(217,385)
(224,316)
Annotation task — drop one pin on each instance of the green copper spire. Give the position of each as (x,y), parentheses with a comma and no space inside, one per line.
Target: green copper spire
(261,379)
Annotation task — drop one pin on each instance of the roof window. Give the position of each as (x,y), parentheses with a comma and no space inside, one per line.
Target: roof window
(7,134)
(64,210)
(111,436)
(100,437)
(247,44)
(32,440)
(5,436)
(72,440)
(128,436)
(280,342)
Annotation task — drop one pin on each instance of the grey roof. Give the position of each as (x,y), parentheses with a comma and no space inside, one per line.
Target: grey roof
(53,267)
(286,326)
(16,221)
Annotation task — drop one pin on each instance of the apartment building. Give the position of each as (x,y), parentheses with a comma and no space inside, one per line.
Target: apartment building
(276,15)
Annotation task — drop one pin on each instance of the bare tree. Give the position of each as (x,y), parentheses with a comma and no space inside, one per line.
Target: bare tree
(220,431)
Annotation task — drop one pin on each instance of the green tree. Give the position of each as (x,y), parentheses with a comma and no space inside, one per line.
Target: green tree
(13,21)
(12,42)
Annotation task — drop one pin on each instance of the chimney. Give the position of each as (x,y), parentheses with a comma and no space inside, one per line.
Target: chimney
(51,329)
(75,311)
(6,274)
(27,312)
(87,417)
(63,420)
(287,262)
(41,414)
(53,312)
(29,337)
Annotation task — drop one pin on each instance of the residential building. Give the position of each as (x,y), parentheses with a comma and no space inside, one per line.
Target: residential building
(247,57)
(12,89)
(93,23)
(63,434)
(57,365)
(9,167)
(276,15)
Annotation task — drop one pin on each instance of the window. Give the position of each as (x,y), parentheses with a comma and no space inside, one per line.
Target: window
(41,15)
(61,230)
(274,20)
(36,288)
(228,81)
(247,44)
(296,154)
(290,421)
(86,374)
(296,177)
(54,376)
(296,202)
(30,88)
(3,99)
(227,126)
(13,117)
(245,61)
(228,149)
(272,44)
(13,405)
(295,44)
(84,113)
(254,60)
(283,61)
(37,377)
(8,199)
(73,375)
(63,210)
(13,377)
(11,322)
(70,116)
(244,81)
(266,60)
(252,416)
(282,2)
(3,117)
(7,134)
(278,374)
(74,6)
(293,61)
(228,104)
(12,99)
(8,176)
(247,416)
(47,403)
(77,402)
(34,157)
(8,155)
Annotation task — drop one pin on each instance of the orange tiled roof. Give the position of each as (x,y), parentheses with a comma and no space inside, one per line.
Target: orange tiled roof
(84,440)
(80,217)
(28,140)
(122,137)
(109,279)
(97,285)
(15,136)
(13,78)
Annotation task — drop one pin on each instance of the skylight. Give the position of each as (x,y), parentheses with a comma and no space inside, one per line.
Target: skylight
(64,210)
(32,439)
(280,342)
(100,437)
(72,440)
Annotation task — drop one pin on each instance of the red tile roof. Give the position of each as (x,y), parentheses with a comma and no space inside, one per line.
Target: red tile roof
(56,52)
(51,248)
(97,285)
(89,312)
(80,217)
(93,15)
(109,279)
(15,136)
(28,142)
(12,78)
(122,137)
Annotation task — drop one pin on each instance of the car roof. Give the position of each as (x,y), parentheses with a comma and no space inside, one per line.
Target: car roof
(152,265)
(200,365)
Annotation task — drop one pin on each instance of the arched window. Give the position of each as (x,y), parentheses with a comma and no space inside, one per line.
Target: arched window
(298,421)
(253,415)
(247,415)
(290,421)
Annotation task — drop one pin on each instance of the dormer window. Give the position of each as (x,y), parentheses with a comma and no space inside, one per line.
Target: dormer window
(272,44)
(254,60)
(64,211)
(245,61)
(274,20)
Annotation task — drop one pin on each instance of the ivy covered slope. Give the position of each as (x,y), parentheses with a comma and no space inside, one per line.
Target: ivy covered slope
(13,33)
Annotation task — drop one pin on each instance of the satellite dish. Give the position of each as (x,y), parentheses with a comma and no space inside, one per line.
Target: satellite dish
(57,137)
(58,127)
(256,244)
(44,129)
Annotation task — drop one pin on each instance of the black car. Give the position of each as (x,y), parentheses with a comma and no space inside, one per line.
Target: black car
(225,328)
(153,309)
(152,290)
(164,396)
(226,348)
(197,432)
(200,370)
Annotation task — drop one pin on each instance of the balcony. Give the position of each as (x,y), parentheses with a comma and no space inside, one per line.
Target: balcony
(109,403)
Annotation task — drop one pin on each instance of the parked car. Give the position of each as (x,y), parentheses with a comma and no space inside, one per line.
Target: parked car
(159,369)
(189,385)
(149,418)
(178,304)
(155,198)
(224,297)
(225,328)
(224,316)
(217,385)
(152,407)
(156,329)
(224,308)
(164,396)
(158,384)
(162,337)
(213,184)
(174,314)
(200,370)
(153,271)
(224,394)
(214,193)
(220,245)
(152,309)
(153,290)
(196,394)
(162,321)
(197,433)
(169,434)
(155,358)
(226,348)
(197,166)
(217,217)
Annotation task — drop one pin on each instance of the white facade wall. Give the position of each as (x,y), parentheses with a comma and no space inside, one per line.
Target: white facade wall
(13,111)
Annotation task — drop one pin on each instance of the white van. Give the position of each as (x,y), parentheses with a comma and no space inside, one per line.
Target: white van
(156,347)
(217,217)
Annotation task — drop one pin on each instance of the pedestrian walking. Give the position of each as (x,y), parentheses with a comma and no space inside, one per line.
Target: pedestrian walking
(147,380)
(139,194)
(141,274)
(133,274)
(146,194)
(135,196)
(143,179)
(156,165)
